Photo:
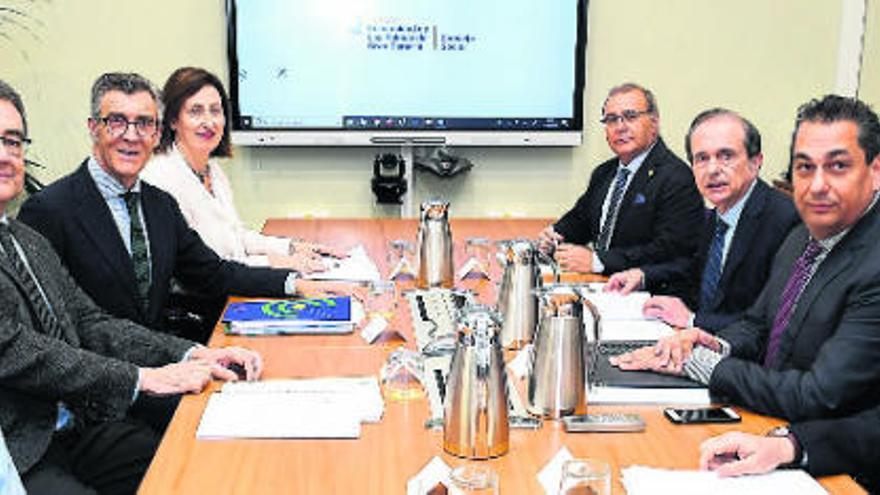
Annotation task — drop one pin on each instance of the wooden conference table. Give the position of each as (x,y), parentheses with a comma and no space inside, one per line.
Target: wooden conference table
(390,452)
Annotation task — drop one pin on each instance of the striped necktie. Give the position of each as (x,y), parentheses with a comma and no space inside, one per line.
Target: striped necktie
(712,269)
(803,268)
(611,215)
(139,256)
(39,304)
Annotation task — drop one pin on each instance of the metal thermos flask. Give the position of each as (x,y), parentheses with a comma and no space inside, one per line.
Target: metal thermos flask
(435,245)
(475,408)
(517,302)
(558,372)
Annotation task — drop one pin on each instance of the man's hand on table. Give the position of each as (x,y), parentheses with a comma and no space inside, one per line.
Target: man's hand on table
(574,258)
(736,453)
(668,354)
(669,309)
(323,288)
(300,262)
(626,281)
(548,239)
(223,358)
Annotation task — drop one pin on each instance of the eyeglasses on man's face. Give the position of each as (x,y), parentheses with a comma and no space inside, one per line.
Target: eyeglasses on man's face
(14,145)
(117,125)
(628,116)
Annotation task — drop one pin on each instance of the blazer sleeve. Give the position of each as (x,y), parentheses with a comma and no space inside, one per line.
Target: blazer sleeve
(200,269)
(841,445)
(577,225)
(844,371)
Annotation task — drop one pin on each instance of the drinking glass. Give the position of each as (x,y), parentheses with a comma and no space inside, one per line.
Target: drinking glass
(381,299)
(402,375)
(585,477)
(400,262)
(473,479)
(479,250)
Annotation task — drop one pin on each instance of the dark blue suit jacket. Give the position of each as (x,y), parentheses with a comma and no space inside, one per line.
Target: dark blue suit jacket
(73,215)
(766,220)
(658,217)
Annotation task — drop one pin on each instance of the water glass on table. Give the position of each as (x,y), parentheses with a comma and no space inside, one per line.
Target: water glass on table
(585,477)
(473,479)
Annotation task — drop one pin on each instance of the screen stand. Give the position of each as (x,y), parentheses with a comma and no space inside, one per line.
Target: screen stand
(407,206)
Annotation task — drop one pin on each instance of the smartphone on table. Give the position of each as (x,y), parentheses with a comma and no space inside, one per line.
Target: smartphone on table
(702,415)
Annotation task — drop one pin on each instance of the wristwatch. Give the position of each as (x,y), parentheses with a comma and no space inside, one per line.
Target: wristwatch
(800,457)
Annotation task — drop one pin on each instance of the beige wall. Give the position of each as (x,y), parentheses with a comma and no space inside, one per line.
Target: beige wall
(761,58)
(869,84)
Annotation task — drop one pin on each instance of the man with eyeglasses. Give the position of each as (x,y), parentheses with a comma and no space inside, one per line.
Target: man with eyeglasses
(640,207)
(69,371)
(739,237)
(124,240)
(809,347)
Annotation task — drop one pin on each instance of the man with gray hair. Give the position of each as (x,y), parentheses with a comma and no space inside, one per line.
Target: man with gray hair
(740,234)
(124,240)
(70,372)
(640,207)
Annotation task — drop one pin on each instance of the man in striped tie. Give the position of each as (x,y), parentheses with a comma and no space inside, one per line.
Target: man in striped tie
(739,238)
(809,347)
(70,372)
(640,207)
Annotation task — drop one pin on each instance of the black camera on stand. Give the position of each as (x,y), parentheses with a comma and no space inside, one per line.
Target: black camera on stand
(389,178)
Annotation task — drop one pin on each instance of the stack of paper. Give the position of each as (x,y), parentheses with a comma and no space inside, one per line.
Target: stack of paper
(622,317)
(640,480)
(298,316)
(295,408)
(357,267)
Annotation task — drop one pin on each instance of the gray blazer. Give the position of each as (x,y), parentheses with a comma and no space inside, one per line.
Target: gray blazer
(92,368)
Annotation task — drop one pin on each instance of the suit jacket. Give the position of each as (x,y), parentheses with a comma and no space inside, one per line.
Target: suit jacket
(73,215)
(845,445)
(765,221)
(213,216)
(828,361)
(92,367)
(658,216)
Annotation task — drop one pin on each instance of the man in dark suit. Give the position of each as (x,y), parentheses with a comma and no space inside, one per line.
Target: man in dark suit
(809,347)
(68,370)
(640,207)
(822,447)
(124,240)
(740,235)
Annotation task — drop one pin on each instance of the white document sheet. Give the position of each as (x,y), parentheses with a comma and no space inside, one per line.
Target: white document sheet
(294,408)
(632,395)
(613,306)
(633,330)
(640,480)
(357,267)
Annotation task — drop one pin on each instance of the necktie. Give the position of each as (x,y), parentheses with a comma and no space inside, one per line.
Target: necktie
(793,288)
(613,205)
(40,306)
(712,269)
(139,256)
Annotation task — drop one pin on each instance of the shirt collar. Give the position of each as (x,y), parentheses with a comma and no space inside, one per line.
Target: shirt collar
(829,242)
(107,184)
(636,162)
(731,216)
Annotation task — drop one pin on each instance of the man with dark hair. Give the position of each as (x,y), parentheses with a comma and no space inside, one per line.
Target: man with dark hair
(69,371)
(739,238)
(124,240)
(809,347)
(640,207)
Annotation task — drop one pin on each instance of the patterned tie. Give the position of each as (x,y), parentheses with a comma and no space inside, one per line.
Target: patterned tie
(39,304)
(712,270)
(613,205)
(796,282)
(139,257)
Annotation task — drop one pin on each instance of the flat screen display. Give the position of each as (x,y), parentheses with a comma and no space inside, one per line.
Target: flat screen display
(373,71)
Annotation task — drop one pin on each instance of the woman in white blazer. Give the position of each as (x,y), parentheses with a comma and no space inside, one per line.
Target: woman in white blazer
(195,132)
